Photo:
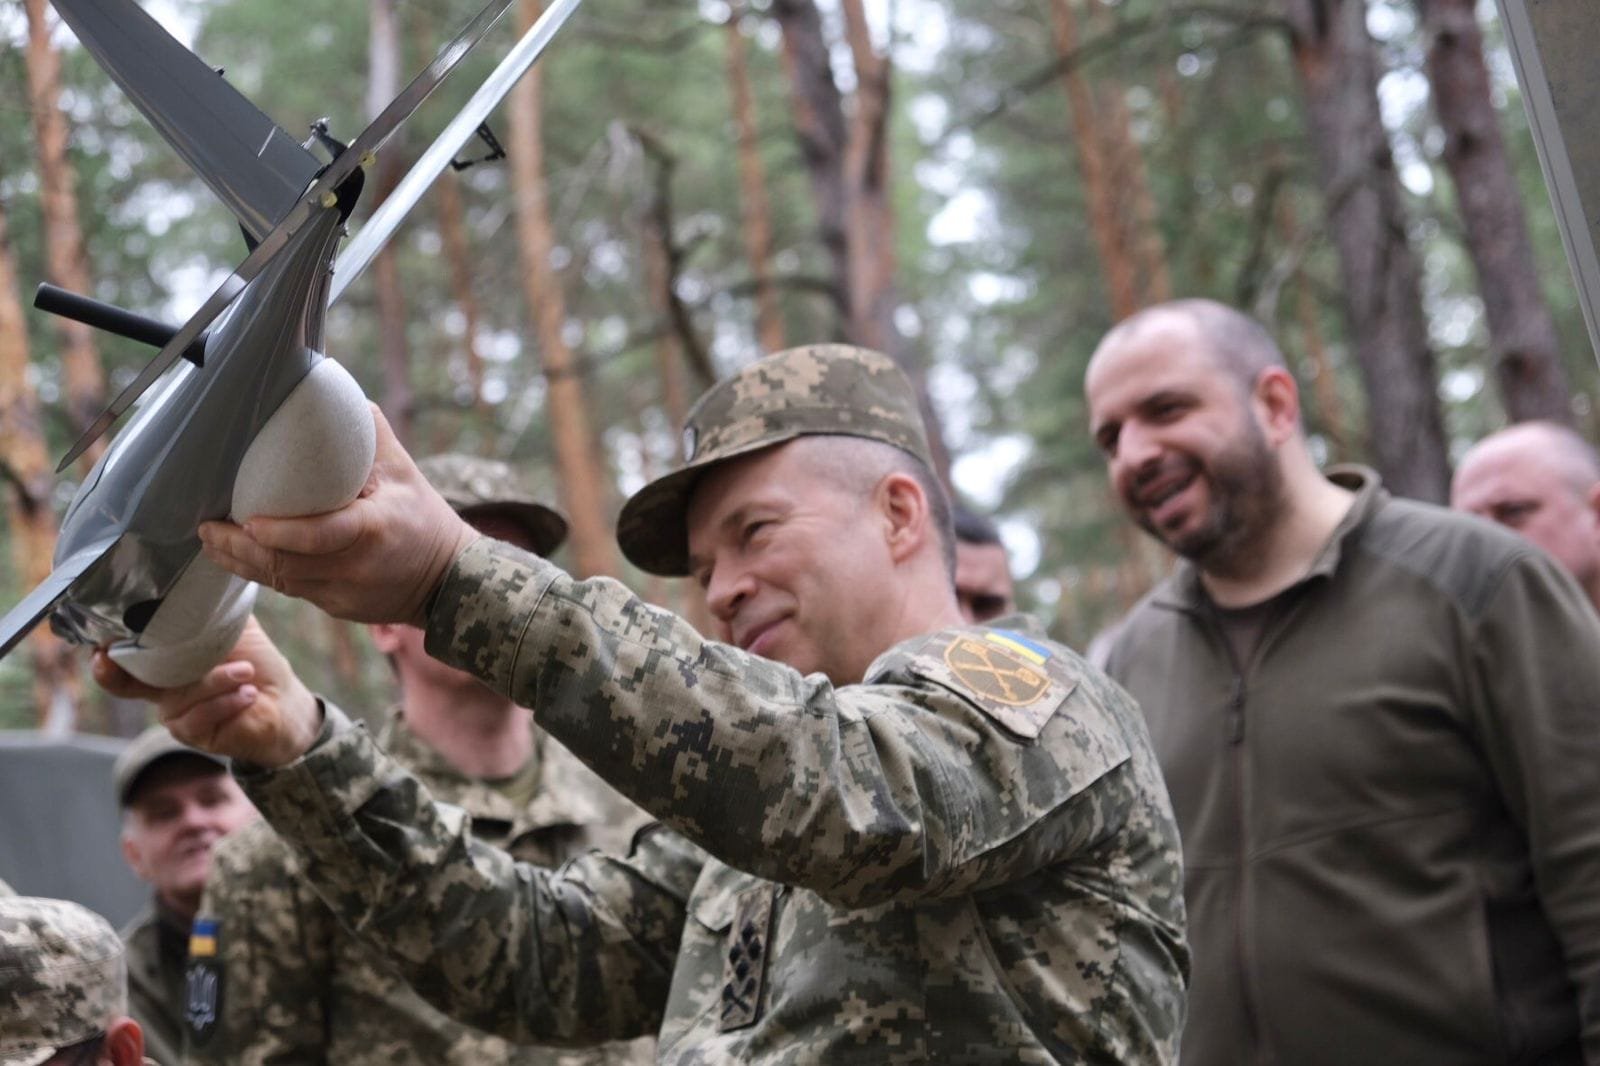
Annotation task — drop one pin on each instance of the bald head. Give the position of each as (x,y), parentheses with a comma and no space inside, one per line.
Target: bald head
(1542,480)
(1235,344)
(1545,443)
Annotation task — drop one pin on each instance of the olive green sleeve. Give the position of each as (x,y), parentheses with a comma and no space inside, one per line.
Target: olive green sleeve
(1535,649)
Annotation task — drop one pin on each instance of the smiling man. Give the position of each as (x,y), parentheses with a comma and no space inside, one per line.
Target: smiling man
(894,838)
(177,805)
(1377,720)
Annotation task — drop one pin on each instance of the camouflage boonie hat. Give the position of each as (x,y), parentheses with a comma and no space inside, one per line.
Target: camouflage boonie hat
(819,389)
(62,978)
(472,485)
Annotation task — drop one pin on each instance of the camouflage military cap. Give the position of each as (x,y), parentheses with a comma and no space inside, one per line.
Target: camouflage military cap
(152,746)
(474,485)
(818,389)
(62,978)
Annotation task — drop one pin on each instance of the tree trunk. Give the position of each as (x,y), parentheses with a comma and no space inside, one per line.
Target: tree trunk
(1324,386)
(869,216)
(383,83)
(1526,352)
(582,474)
(453,229)
(1337,65)
(66,261)
(848,162)
(754,209)
(819,124)
(57,691)
(1116,259)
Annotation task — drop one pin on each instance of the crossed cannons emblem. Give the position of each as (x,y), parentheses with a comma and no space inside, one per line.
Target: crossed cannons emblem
(995,673)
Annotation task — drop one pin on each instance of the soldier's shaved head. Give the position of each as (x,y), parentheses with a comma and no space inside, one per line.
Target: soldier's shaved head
(1542,480)
(857,465)
(1555,444)
(1235,343)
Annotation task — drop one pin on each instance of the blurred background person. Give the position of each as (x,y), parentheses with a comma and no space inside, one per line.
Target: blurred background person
(63,998)
(1542,480)
(273,977)
(983,571)
(177,804)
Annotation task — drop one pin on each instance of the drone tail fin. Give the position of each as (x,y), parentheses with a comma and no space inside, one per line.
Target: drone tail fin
(21,619)
(252,165)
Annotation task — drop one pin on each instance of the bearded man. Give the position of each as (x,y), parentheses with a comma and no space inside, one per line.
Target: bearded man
(1378,720)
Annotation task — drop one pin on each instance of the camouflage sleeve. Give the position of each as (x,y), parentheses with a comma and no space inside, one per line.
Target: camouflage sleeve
(266,945)
(912,786)
(573,956)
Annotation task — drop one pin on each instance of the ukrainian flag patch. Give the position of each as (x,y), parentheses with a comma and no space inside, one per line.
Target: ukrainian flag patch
(1030,650)
(203,938)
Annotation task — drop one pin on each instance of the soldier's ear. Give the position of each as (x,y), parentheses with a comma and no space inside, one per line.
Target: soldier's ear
(903,507)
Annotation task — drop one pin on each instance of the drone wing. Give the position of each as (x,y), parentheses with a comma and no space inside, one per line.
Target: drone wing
(1554,59)
(322,195)
(253,166)
(370,239)
(21,619)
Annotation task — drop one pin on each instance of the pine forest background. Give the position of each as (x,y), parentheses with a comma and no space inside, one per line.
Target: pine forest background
(979,188)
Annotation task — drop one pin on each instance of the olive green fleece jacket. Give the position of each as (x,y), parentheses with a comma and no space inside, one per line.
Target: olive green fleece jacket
(1391,814)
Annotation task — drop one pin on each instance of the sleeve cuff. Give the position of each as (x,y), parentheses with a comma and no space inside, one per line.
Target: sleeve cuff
(482,610)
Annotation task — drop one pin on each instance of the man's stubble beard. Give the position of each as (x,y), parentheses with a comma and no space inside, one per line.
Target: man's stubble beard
(1246,499)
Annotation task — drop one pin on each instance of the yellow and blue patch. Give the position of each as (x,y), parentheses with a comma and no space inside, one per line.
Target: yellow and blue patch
(1031,650)
(203,938)
(202,994)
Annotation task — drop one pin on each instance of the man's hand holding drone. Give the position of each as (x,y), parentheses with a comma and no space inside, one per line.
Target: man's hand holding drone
(379,559)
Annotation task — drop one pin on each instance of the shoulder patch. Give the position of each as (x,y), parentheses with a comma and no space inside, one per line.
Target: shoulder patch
(1012,678)
(202,993)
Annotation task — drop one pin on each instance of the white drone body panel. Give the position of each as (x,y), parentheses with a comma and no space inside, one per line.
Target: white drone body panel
(312,456)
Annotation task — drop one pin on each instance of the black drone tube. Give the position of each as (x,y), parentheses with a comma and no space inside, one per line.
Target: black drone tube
(104,316)
(113,319)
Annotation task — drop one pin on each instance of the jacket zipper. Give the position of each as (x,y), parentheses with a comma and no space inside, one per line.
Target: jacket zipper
(1234,725)
(1273,625)
(1236,743)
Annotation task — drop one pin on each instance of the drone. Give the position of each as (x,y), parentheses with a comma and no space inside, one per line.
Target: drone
(241,413)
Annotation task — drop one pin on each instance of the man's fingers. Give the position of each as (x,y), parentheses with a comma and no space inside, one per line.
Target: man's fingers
(117,681)
(231,548)
(322,534)
(201,723)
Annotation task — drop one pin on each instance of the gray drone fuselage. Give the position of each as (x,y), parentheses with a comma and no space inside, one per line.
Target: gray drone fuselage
(174,464)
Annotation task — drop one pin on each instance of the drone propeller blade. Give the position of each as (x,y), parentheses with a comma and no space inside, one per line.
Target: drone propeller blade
(386,219)
(323,195)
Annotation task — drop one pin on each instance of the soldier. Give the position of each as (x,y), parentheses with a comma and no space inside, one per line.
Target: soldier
(1542,480)
(904,840)
(63,993)
(274,978)
(1378,720)
(983,573)
(177,805)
